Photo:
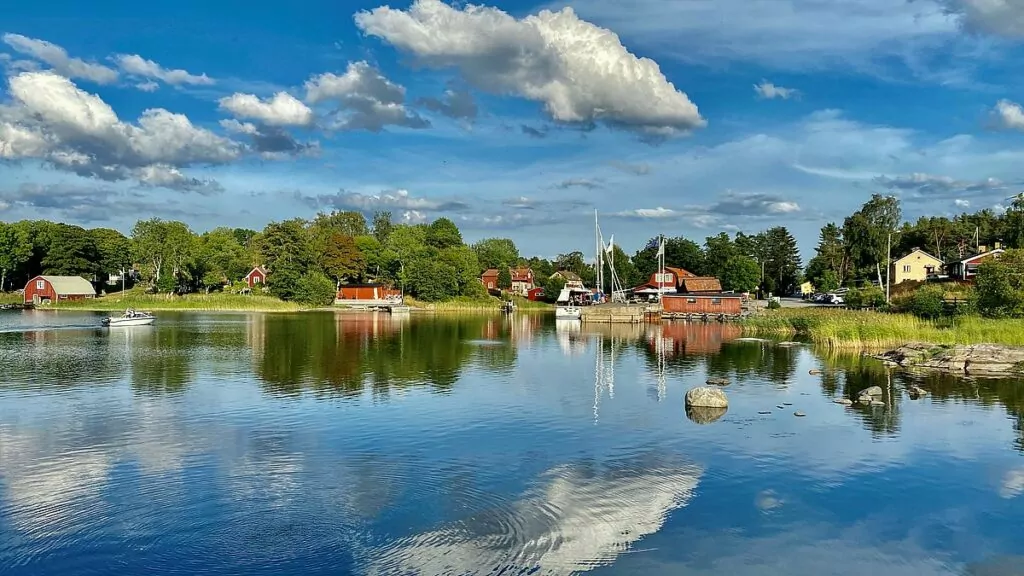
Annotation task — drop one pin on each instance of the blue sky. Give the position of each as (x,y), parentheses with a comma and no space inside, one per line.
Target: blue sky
(514,118)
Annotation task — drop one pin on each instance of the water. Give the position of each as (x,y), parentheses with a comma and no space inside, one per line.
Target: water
(364,444)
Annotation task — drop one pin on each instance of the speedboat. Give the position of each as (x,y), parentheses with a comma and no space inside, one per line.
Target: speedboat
(130,318)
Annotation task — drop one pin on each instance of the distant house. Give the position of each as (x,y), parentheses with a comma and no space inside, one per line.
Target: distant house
(668,282)
(967,268)
(490,279)
(372,291)
(571,279)
(43,289)
(257,277)
(535,294)
(701,295)
(916,266)
(522,280)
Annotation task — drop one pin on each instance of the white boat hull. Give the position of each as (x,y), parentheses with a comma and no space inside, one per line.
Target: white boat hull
(568,312)
(117,322)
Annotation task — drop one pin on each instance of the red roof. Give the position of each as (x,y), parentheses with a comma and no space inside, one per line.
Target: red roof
(489,272)
(260,269)
(521,274)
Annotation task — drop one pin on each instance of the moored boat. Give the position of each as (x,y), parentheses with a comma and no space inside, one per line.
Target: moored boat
(130,318)
(568,312)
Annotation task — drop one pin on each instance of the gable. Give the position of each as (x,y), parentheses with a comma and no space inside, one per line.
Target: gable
(918,256)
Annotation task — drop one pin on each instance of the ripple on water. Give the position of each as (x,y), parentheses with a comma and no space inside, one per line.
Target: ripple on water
(574,519)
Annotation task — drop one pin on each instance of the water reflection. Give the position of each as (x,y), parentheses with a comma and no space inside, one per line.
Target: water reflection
(581,516)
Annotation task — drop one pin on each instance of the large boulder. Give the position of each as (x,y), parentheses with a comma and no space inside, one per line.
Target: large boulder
(871,391)
(704,414)
(707,397)
(977,359)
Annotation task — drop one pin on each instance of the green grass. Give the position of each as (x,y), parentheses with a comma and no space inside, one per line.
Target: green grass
(845,329)
(11,298)
(474,305)
(200,302)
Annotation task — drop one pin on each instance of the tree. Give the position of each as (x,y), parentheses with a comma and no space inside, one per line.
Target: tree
(15,250)
(161,243)
(866,234)
(371,249)
(999,286)
(552,287)
(828,282)
(740,273)
(220,258)
(496,253)
(463,260)
(782,260)
(342,259)
(286,250)
(504,278)
(443,233)
(113,251)
(314,289)
(382,226)
(927,302)
(624,268)
(432,281)
(72,252)
(718,251)
(349,223)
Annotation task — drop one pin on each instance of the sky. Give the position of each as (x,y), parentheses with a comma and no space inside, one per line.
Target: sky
(514,119)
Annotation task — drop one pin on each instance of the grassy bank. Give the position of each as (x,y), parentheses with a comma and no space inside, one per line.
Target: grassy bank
(216,302)
(11,298)
(845,329)
(472,305)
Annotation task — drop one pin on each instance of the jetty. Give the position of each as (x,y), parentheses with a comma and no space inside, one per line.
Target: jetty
(617,313)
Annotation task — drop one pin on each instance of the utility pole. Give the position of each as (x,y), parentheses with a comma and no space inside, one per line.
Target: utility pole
(888,268)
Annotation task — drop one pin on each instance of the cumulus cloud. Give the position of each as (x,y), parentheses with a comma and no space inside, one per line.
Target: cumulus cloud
(164,176)
(961,203)
(59,60)
(1000,17)
(457,104)
(730,206)
(579,71)
(52,120)
(91,203)
(367,100)
(768,91)
(1009,115)
(148,86)
(136,65)
(386,200)
(282,109)
(271,142)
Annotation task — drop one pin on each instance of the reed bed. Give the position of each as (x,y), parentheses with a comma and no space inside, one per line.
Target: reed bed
(217,302)
(11,298)
(475,306)
(864,330)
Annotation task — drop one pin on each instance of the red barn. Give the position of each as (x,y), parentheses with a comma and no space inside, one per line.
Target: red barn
(257,277)
(366,292)
(43,289)
(535,294)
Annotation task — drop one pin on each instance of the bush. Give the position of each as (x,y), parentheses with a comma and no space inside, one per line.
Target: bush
(774,305)
(927,302)
(867,297)
(314,289)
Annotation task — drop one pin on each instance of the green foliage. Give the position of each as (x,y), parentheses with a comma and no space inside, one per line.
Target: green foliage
(432,280)
(719,250)
(740,273)
(827,282)
(314,289)
(927,302)
(504,278)
(220,257)
(463,260)
(71,252)
(15,250)
(552,287)
(774,305)
(287,251)
(781,259)
(342,259)
(382,226)
(866,297)
(496,253)
(443,233)
(999,286)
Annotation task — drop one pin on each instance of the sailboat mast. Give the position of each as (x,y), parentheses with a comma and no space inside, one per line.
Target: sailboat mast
(599,261)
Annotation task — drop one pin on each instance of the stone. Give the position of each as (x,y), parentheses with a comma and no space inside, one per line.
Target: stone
(916,392)
(764,412)
(799,414)
(707,397)
(787,403)
(877,403)
(864,400)
(719,381)
(872,391)
(814,372)
(704,414)
(780,406)
(976,359)
(843,401)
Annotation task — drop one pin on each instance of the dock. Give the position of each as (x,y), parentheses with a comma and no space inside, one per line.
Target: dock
(392,306)
(619,313)
(16,306)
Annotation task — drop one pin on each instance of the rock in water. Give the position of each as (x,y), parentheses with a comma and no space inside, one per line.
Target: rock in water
(864,399)
(872,391)
(707,397)
(877,403)
(814,372)
(799,414)
(719,381)
(977,359)
(843,401)
(704,414)
(916,392)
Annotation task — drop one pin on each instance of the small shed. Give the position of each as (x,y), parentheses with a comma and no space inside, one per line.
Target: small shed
(711,304)
(366,292)
(43,289)
(257,277)
(535,294)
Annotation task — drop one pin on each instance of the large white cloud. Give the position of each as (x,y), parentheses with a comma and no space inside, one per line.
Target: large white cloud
(58,58)
(579,71)
(53,120)
(1009,115)
(282,109)
(1001,17)
(138,66)
(367,100)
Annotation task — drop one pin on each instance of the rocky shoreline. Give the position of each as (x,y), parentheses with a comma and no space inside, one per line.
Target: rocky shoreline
(969,360)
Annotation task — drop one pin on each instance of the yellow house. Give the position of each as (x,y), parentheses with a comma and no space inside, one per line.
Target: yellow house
(916,266)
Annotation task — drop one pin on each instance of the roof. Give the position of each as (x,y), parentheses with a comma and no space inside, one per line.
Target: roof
(568,275)
(701,284)
(490,272)
(259,269)
(680,272)
(520,274)
(919,252)
(70,285)
(982,255)
(366,285)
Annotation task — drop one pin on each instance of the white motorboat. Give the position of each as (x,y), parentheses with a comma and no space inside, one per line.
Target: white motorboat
(568,313)
(130,318)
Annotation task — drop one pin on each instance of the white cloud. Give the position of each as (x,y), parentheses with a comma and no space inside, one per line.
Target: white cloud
(237,127)
(55,121)
(413,217)
(768,91)
(649,213)
(370,100)
(58,58)
(1000,17)
(148,86)
(1010,115)
(165,176)
(579,71)
(282,109)
(386,200)
(136,65)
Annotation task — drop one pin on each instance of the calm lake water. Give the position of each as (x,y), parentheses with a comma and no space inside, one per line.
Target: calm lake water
(364,444)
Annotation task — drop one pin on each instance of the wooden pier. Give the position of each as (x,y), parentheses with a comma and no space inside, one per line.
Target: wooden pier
(619,313)
(16,306)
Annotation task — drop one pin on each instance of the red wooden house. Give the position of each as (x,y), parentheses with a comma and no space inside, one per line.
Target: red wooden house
(701,295)
(366,292)
(535,294)
(42,289)
(966,269)
(257,277)
(490,279)
(522,280)
(669,281)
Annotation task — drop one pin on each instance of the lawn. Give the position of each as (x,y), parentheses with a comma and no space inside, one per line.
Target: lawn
(217,301)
